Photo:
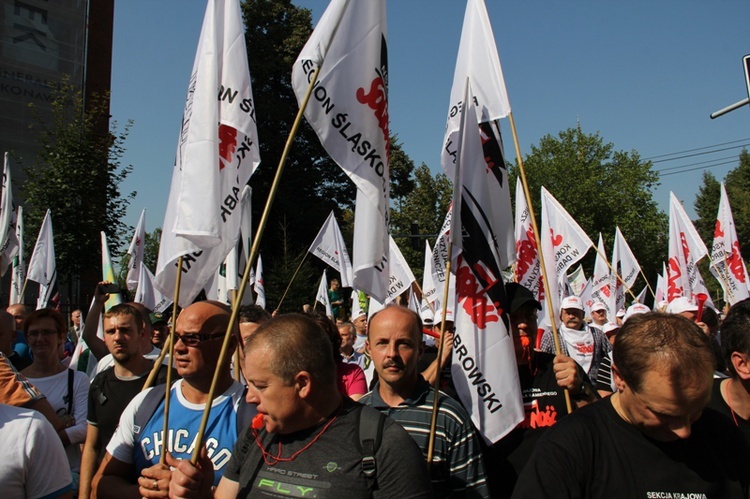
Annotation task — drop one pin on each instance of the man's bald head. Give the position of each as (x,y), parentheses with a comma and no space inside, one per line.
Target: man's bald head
(19,311)
(214,315)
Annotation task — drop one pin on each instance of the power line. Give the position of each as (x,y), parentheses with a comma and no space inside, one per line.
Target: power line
(733,158)
(696,149)
(696,168)
(700,153)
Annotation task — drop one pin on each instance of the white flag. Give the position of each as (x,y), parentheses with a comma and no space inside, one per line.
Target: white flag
(413,302)
(577,280)
(660,294)
(136,252)
(528,272)
(259,285)
(401,276)
(626,267)
(8,239)
(19,264)
(349,112)
(373,307)
(563,244)
(217,152)
(726,260)
(439,265)
(628,264)
(147,294)
(641,297)
(42,267)
(485,373)
(479,62)
(685,250)
(429,291)
(601,290)
(322,296)
(329,246)
(108,274)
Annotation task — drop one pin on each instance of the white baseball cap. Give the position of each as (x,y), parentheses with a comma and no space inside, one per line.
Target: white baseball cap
(572,302)
(610,327)
(598,306)
(635,309)
(681,304)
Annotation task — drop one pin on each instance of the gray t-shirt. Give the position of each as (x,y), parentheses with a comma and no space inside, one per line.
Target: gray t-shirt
(331,467)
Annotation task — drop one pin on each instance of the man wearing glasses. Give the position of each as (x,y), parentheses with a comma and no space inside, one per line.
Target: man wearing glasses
(137,447)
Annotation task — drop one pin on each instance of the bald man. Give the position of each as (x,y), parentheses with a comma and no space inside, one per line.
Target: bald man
(136,447)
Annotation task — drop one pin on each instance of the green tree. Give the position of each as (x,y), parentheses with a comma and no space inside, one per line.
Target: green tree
(601,189)
(737,183)
(426,207)
(312,184)
(77,175)
(706,206)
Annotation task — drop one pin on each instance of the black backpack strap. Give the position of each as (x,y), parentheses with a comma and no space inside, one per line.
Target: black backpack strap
(370,434)
(245,413)
(69,398)
(148,406)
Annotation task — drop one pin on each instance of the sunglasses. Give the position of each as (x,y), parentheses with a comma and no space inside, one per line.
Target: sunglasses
(195,339)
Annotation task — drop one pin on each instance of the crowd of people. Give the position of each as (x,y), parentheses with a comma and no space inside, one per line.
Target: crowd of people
(647,404)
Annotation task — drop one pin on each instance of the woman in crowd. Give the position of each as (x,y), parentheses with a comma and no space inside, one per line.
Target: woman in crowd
(65,389)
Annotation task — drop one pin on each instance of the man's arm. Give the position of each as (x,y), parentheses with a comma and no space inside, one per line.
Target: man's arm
(430,373)
(96,345)
(110,481)
(88,460)
(570,376)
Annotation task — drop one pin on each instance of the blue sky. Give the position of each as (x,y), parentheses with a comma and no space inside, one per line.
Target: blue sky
(644,74)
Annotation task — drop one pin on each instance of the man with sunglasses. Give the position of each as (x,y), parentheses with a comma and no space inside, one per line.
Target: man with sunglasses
(137,447)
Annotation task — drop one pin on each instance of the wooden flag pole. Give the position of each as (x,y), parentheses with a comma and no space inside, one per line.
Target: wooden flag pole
(23,291)
(436,384)
(198,445)
(648,285)
(543,268)
(236,356)
(419,288)
(278,306)
(168,388)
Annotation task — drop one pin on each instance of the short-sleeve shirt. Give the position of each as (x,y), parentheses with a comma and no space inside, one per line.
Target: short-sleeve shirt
(594,452)
(14,388)
(34,462)
(144,446)
(109,395)
(330,466)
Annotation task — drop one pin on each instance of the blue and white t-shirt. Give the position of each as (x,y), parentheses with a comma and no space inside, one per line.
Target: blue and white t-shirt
(143,447)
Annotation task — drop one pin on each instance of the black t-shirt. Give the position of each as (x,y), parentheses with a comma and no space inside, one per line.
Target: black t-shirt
(544,405)
(109,395)
(595,453)
(719,405)
(331,465)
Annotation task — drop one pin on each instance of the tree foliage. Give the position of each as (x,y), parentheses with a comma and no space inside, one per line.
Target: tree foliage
(706,207)
(312,184)
(77,175)
(426,207)
(737,184)
(601,189)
